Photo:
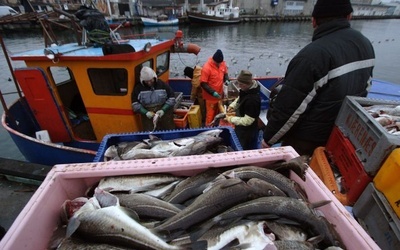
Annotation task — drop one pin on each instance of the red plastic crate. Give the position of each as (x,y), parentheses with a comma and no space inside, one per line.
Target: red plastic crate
(343,154)
(183,121)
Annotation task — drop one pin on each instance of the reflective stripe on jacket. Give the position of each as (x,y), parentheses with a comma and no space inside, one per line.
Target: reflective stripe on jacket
(339,62)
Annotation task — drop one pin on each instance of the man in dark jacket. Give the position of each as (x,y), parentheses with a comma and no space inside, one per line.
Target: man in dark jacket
(247,108)
(154,100)
(338,62)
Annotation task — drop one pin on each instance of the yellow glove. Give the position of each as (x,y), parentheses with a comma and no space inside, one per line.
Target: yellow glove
(228,118)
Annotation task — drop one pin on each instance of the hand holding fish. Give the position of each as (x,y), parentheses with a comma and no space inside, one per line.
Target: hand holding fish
(150,114)
(228,118)
(160,113)
(156,117)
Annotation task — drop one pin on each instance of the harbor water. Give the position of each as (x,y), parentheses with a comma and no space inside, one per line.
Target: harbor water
(263,48)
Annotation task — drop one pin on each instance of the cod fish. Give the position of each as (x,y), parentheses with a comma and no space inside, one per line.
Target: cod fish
(286,207)
(115,151)
(192,186)
(147,206)
(286,232)
(216,119)
(292,244)
(113,225)
(249,234)
(222,195)
(291,188)
(143,153)
(298,165)
(136,183)
(74,243)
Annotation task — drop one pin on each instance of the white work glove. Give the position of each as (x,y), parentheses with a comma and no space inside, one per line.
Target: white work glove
(150,114)
(160,113)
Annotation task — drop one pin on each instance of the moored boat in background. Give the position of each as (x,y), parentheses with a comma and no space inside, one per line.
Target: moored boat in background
(152,22)
(216,13)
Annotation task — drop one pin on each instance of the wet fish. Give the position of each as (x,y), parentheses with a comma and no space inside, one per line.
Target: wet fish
(292,244)
(163,191)
(143,153)
(268,188)
(114,152)
(172,146)
(158,148)
(286,232)
(298,165)
(222,195)
(69,207)
(286,207)
(136,183)
(147,206)
(376,110)
(242,233)
(216,119)
(290,187)
(114,225)
(74,243)
(192,186)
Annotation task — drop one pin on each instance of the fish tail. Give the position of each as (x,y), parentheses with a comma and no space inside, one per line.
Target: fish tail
(320,203)
(195,235)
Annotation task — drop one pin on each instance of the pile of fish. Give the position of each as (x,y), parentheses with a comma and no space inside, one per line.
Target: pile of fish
(386,115)
(241,207)
(154,147)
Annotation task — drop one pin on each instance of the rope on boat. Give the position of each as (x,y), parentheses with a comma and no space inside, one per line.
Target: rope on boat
(99,36)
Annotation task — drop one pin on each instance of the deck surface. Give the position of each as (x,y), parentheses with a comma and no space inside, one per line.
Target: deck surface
(18,182)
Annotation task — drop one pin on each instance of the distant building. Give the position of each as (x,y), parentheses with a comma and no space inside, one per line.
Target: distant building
(296,7)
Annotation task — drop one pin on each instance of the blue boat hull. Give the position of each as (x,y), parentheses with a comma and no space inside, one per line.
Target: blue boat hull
(21,126)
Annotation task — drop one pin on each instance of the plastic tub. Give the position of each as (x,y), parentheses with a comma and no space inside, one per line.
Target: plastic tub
(34,226)
(228,135)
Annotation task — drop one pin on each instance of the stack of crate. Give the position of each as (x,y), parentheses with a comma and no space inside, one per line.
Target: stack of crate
(359,148)
(181,113)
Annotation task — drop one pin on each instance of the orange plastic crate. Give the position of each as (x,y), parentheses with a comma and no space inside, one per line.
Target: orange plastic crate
(319,163)
(181,122)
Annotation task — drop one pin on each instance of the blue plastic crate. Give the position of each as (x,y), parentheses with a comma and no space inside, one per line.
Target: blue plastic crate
(228,135)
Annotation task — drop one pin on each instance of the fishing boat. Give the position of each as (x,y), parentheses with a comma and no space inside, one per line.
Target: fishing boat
(152,22)
(216,13)
(76,93)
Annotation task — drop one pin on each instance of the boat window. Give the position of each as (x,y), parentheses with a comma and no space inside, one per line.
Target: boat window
(162,63)
(139,68)
(60,75)
(109,81)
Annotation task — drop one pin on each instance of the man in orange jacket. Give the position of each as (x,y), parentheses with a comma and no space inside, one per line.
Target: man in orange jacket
(213,75)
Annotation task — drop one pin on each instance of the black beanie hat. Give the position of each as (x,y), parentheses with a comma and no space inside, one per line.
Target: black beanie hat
(332,8)
(218,56)
(188,71)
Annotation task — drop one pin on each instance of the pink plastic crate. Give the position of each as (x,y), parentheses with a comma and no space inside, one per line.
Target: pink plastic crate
(35,224)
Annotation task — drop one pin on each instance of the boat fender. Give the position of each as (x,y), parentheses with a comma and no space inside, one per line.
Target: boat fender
(187,48)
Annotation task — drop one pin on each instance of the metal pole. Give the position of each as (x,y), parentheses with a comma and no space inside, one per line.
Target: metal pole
(3,46)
